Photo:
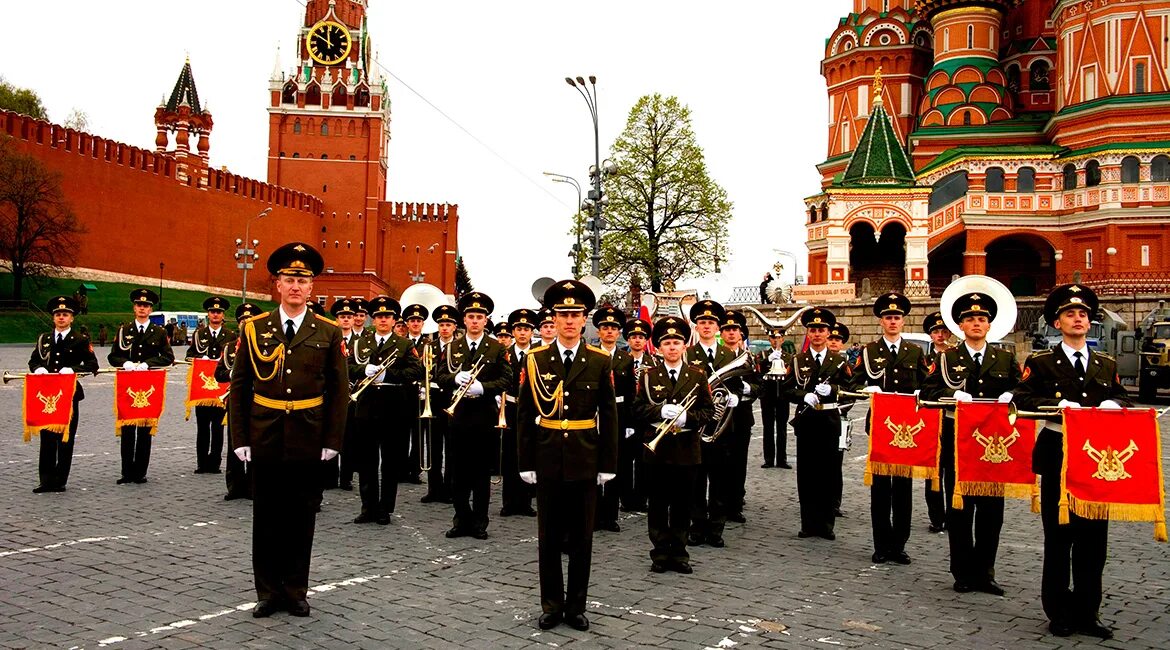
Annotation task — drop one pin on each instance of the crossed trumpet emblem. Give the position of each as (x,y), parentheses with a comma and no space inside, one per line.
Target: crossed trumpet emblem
(209,383)
(1110,463)
(141,398)
(904,433)
(49,402)
(995,448)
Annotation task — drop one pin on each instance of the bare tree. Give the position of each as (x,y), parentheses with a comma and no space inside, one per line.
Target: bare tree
(37,226)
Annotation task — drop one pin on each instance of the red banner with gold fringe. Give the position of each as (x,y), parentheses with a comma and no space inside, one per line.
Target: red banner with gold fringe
(903,439)
(1113,467)
(48,404)
(139,397)
(992,456)
(202,388)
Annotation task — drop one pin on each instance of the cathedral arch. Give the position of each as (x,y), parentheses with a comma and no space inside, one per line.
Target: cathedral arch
(289,94)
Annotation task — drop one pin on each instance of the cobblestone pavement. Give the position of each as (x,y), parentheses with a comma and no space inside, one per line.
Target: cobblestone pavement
(167,564)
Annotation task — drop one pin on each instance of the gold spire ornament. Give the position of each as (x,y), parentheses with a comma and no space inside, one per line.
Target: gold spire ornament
(878,85)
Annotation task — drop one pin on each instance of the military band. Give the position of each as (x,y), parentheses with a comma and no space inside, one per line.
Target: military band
(711,498)
(515,493)
(631,475)
(609,322)
(838,337)
(938,501)
(209,342)
(338,472)
(774,406)
(236,474)
(742,391)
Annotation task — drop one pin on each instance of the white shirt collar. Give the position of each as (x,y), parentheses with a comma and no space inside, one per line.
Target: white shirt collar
(610,351)
(971,351)
(140,324)
(713,350)
(63,333)
(297,320)
(519,349)
(470,341)
(561,349)
(1068,352)
(214,331)
(677,367)
(888,342)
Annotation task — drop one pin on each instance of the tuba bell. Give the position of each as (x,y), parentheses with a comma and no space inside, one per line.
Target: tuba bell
(1005,302)
(740,366)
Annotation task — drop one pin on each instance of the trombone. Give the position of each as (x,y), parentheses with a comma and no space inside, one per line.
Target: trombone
(671,426)
(368,381)
(424,427)
(501,426)
(462,390)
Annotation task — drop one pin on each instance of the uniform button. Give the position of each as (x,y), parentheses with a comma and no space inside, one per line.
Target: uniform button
(1084,394)
(288,372)
(981,381)
(288,390)
(566,393)
(566,434)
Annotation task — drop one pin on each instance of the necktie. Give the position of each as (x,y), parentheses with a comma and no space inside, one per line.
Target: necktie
(568,358)
(1078,364)
(60,337)
(472,349)
(978,361)
(521,356)
(142,329)
(381,341)
(893,350)
(820,358)
(673,376)
(711,357)
(289,332)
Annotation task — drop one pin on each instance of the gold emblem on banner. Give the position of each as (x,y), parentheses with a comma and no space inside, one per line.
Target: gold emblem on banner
(1110,463)
(209,383)
(904,433)
(141,397)
(995,448)
(49,402)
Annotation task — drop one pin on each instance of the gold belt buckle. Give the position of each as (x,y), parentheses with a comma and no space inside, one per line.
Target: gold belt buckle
(288,406)
(564,425)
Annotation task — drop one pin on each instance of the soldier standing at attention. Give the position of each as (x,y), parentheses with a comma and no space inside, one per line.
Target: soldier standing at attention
(236,474)
(66,352)
(289,396)
(938,502)
(631,465)
(515,493)
(773,406)
(568,445)
(208,342)
(608,321)
(139,345)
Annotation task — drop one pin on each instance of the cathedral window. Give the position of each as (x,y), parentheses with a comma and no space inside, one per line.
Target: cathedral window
(970,37)
(289,96)
(1131,169)
(1070,176)
(1092,173)
(324,127)
(1139,77)
(994,179)
(1038,78)
(297,126)
(1026,180)
(1160,169)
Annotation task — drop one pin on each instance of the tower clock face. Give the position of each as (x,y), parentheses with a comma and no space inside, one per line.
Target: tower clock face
(329,43)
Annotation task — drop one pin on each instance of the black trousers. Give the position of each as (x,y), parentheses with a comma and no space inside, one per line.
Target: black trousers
(56,457)
(208,437)
(381,459)
(438,476)
(515,493)
(631,473)
(938,502)
(471,469)
(669,513)
(284,516)
(411,455)
(741,441)
(774,411)
(838,470)
(348,460)
(710,491)
(889,511)
(564,519)
(973,534)
(1079,545)
(816,478)
(135,452)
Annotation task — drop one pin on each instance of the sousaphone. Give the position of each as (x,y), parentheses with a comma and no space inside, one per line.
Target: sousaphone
(427,295)
(1005,303)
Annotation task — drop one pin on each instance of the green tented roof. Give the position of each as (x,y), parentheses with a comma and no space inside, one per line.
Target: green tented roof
(879,158)
(184,92)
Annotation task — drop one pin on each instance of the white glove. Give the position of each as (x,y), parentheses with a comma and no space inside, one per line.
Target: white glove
(129,365)
(732,400)
(823,390)
(371,370)
(747,388)
(244,454)
(66,371)
(499,398)
(1006,397)
(328,454)
(776,354)
(682,419)
(142,366)
(205,357)
(422,392)
(872,389)
(41,371)
(461,377)
(475,389)
(1109,405)
(1067,404)
(963,396)
(604,477)
(629,432)
(670,411)
(811,399)
(528,477)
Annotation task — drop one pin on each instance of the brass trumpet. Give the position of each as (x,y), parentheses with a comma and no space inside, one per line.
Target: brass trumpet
(424,427)
(368,381)
(462,390)
(671,426)
(502,422)
(14,376)
(1052,413)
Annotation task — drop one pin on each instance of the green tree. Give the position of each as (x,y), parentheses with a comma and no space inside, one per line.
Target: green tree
(664,210)
(462,279)
(38,229)
(21,100)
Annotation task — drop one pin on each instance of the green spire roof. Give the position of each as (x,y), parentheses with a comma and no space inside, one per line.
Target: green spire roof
(184,92)
(879,158)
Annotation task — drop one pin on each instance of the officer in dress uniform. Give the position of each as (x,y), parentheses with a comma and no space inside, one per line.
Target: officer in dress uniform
(609,321)
(1069,375)
(473,422)
(631,465)
(838,337)
(938,502)
(66,352)
(516,494)
(139,345)
(709,504)
(287,409)
(813,381)
(773,406)
(503,333)
(892,365)
(567,436)
(388,366)
(547,326)
(236,474)
(208,342)
(671,467)
(415,316)
(972,370)
(338,473)
(440,481)
(742,392)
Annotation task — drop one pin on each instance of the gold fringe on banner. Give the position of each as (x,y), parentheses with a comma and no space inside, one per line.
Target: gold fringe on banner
(62,429)
(894,469)
(138,422)
(202,402)
(989,489)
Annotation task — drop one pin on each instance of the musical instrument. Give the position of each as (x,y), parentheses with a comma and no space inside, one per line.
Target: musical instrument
(671,426)
(427,295)
(370,380)
(738,367)
(501,425)
(462,390)
(1005,302)
(777,324)
(13,376)
(845,440)
(424,427)
(1051,413)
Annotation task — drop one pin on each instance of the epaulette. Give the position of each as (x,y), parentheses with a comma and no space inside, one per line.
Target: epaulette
(596,349)
(541,348)
(1102,354)
(1040,353)
(257,317)
(327,320)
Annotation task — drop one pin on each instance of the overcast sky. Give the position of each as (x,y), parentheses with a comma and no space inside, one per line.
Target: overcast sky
(749,71)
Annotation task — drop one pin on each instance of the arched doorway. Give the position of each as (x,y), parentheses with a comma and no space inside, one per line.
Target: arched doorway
(879,259)
(1024,263)
(945,261)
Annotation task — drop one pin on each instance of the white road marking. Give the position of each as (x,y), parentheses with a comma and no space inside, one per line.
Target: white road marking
(72,542)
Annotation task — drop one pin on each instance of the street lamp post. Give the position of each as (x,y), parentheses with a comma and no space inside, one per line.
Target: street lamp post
(589,94)
(246,251)
(576,254)
(160,281)
(419,276)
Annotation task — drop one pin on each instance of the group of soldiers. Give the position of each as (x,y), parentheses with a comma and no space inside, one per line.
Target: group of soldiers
(585,430)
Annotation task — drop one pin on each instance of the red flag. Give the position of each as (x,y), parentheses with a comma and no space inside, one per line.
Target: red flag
(139,397)
(992,457)
(48,404)
(903,440)
(1113,467)
(202,388)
